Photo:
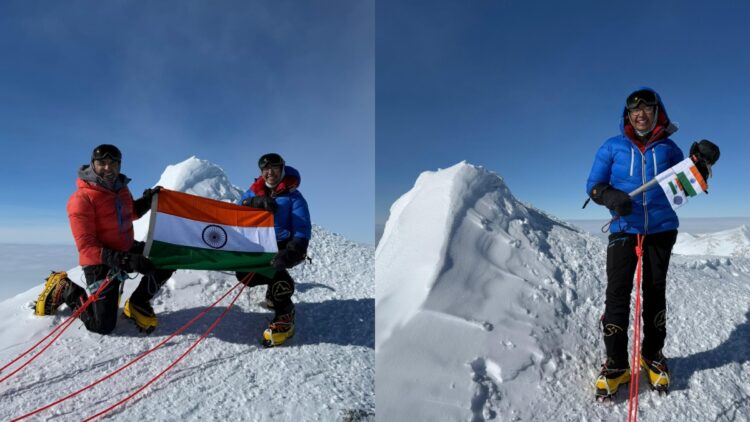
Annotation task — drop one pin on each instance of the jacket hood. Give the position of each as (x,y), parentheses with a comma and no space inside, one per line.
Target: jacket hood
(663,128)
(289,183)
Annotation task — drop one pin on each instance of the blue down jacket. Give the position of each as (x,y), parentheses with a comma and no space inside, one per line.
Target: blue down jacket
(292,218)
(625,163)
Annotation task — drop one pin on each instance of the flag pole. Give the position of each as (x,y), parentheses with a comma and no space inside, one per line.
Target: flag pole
(648,185)
(151,224)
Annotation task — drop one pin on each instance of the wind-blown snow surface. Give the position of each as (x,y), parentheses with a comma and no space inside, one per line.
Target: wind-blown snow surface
(325,373)
(733,242)
(487,309)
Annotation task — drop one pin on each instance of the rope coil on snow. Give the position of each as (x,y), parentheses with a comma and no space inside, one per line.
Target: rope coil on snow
(62,327)
(247,278)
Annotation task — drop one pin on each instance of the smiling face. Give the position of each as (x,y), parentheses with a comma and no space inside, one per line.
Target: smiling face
(272,175)
(642,117)
(107,169)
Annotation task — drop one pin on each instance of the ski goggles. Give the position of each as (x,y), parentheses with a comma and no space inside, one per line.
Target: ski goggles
(643,96)
(106,151)
(270,160)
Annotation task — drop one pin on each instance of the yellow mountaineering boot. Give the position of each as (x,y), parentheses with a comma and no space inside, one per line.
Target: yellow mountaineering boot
(609,380)
(658,373)
(142,314)
(279,330)
(52,295)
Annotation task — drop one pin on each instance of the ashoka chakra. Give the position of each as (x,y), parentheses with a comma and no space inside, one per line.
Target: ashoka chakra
(215,236)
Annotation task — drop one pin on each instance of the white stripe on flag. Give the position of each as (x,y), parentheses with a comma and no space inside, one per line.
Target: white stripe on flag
(184,231)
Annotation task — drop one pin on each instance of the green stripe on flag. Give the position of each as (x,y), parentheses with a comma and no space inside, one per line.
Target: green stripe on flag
(685,182)
(177,257)
(674,189)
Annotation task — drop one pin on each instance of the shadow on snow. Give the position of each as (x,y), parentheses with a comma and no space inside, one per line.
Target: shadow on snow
(345,322)
(735,349)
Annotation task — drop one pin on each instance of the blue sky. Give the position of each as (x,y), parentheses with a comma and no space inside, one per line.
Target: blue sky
(531,89)
(224,81)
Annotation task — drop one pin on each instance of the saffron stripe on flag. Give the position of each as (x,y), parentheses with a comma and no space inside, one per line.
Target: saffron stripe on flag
(699,178)
(169,256)
(212,211)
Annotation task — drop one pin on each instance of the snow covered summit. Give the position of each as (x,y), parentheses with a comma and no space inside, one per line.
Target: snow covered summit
(488,309)
(326,372)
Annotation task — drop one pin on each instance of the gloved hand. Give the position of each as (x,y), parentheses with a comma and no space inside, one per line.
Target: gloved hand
(126,261)
(614,199)
(262,202)
(149,193)
(705,154)
(294,253)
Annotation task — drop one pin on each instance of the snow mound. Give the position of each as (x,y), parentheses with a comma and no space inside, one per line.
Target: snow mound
(196,177)
(200,177)
(488,309)
(733,242)
(326,371)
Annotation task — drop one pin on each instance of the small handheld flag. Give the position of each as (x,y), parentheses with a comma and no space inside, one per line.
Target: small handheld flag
(681,181)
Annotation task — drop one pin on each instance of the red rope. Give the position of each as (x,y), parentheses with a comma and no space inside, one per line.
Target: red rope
(65,325)
(635,357)
(190,349)
(247,278)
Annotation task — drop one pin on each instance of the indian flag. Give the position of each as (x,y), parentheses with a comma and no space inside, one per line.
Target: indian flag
(192,232)
(681,181)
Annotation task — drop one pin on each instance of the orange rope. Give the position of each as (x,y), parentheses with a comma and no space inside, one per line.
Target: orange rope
(635,356)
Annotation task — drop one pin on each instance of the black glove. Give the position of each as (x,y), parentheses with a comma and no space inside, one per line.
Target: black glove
(614,199)
(294,253)
(126,261)
(705,154)
(149,193)
(262,202)
(143,204)
(706,150)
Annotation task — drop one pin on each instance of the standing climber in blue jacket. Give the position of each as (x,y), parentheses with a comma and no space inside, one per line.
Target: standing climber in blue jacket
(625,162)
(275,190)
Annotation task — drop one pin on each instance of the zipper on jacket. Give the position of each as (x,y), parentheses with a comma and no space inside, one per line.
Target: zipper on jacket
(632,159)
(645,207)
(653,152)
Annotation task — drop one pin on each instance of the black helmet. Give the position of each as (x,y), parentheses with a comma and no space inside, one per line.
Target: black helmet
(272,160)
(105,151)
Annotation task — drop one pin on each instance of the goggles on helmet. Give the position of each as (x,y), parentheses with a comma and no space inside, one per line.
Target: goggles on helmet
(643,96)
(106,151)
(270,160)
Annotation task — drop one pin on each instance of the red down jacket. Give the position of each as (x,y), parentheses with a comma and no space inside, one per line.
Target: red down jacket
(100,217)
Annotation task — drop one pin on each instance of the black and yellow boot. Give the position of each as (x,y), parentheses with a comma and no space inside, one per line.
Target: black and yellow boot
(142,314)
(658,373)
(609,380)
(279,330)
(52,295)
(268,301)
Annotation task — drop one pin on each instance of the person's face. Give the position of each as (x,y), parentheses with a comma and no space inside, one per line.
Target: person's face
(272,175)
(107,169)
(642,117)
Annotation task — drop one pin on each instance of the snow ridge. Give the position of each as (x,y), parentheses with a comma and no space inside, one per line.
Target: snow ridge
(732,242)
(493,314)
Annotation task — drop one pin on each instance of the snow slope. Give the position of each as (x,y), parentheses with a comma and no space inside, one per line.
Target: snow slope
(733,242)
(487,309)
(325,373)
